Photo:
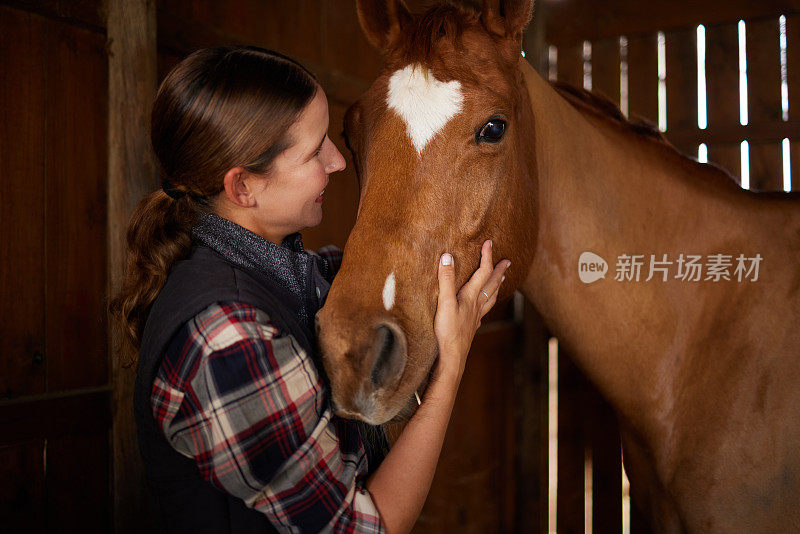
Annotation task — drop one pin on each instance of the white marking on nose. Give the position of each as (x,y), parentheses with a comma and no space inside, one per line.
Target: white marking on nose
(388,292)
(425,103)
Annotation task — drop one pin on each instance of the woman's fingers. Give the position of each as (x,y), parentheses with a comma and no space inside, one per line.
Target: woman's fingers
(480,277)
(493,285)
(447,280)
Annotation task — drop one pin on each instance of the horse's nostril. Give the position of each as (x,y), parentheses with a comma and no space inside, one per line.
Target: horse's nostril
(389,355)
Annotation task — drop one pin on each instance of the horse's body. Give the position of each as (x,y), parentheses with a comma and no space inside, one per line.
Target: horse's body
(705,376)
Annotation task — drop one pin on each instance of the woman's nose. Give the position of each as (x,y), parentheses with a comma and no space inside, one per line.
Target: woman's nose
(336,161)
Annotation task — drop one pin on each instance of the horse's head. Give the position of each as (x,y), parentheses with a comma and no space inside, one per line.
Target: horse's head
(442,144)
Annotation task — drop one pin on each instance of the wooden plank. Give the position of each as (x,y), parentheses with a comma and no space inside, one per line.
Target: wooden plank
(764,101)
(77,493)
(681,82)
(482,474)
(54,415)
(132,73)
(606,468)
(794,155)
(21,212)
(532,439)
(75,204)
(570,22)
(293,28)
(22,490)
(570,65)
(722,76)
(728,157)
(572,445)
(724,133)
(86,13)
(763,70)
(643,77)
(793,64)
(605,68)
(758,132)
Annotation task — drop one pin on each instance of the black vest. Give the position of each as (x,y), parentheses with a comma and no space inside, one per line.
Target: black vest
(185,501)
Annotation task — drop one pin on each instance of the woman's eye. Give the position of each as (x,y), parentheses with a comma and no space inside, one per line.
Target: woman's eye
(492,131)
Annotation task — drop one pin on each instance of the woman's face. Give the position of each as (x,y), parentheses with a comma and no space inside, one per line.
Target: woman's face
(290,198)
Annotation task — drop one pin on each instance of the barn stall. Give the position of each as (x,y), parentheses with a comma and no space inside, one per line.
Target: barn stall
(531,447)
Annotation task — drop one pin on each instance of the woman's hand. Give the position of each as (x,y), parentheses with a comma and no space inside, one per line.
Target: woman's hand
(458,316)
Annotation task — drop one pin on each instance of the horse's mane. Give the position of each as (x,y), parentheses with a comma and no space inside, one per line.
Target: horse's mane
(601,105)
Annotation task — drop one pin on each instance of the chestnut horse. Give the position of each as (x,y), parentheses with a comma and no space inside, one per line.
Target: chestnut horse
(459,140)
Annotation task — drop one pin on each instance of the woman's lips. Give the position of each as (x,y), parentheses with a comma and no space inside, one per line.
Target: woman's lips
(319,198)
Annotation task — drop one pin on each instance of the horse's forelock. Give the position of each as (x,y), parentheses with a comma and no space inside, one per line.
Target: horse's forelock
(444,21)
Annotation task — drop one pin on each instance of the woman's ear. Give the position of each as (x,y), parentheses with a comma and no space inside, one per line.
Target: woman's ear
(507,17)
(381,20)
(238,188)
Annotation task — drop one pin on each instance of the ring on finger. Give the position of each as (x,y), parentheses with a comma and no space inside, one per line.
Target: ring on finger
(485,294)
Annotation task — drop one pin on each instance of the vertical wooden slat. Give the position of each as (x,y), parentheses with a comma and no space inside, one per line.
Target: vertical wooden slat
(571,446)
(794,154)
(681,82)
(570,65)
(764,101)
(21,210)
(132,71)
(22,487)
(606,469)
(605,68)
(722,90)
(643,77)
(531,389)
(722,76)
(793,82)
(75,207)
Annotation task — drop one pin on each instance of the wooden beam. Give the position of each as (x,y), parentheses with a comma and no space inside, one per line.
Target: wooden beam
(88,14)
(573,21)
(131,174)
(532,439)
(759,132)
(50,416)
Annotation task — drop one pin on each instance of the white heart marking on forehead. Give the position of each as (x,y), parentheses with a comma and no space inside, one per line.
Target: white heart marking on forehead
(425,103)
(388,292)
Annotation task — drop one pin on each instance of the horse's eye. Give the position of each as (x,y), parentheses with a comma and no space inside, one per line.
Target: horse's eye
(492,131)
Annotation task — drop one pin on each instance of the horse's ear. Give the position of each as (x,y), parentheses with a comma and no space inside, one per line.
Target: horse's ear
(507,17)
(381,20)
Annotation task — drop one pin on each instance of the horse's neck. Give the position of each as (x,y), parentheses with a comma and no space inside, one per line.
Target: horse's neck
(603,189)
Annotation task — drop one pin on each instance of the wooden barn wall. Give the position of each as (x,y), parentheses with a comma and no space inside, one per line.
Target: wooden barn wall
(54,365)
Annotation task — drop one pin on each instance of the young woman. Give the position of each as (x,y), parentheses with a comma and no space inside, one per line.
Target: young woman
(233,414)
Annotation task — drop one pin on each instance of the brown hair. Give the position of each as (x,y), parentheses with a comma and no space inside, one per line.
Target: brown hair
(219,108)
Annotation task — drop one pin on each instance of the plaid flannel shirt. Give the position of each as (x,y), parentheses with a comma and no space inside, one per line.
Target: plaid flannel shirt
(248,404)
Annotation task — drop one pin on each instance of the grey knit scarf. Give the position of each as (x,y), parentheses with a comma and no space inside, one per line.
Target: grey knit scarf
(301,272)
